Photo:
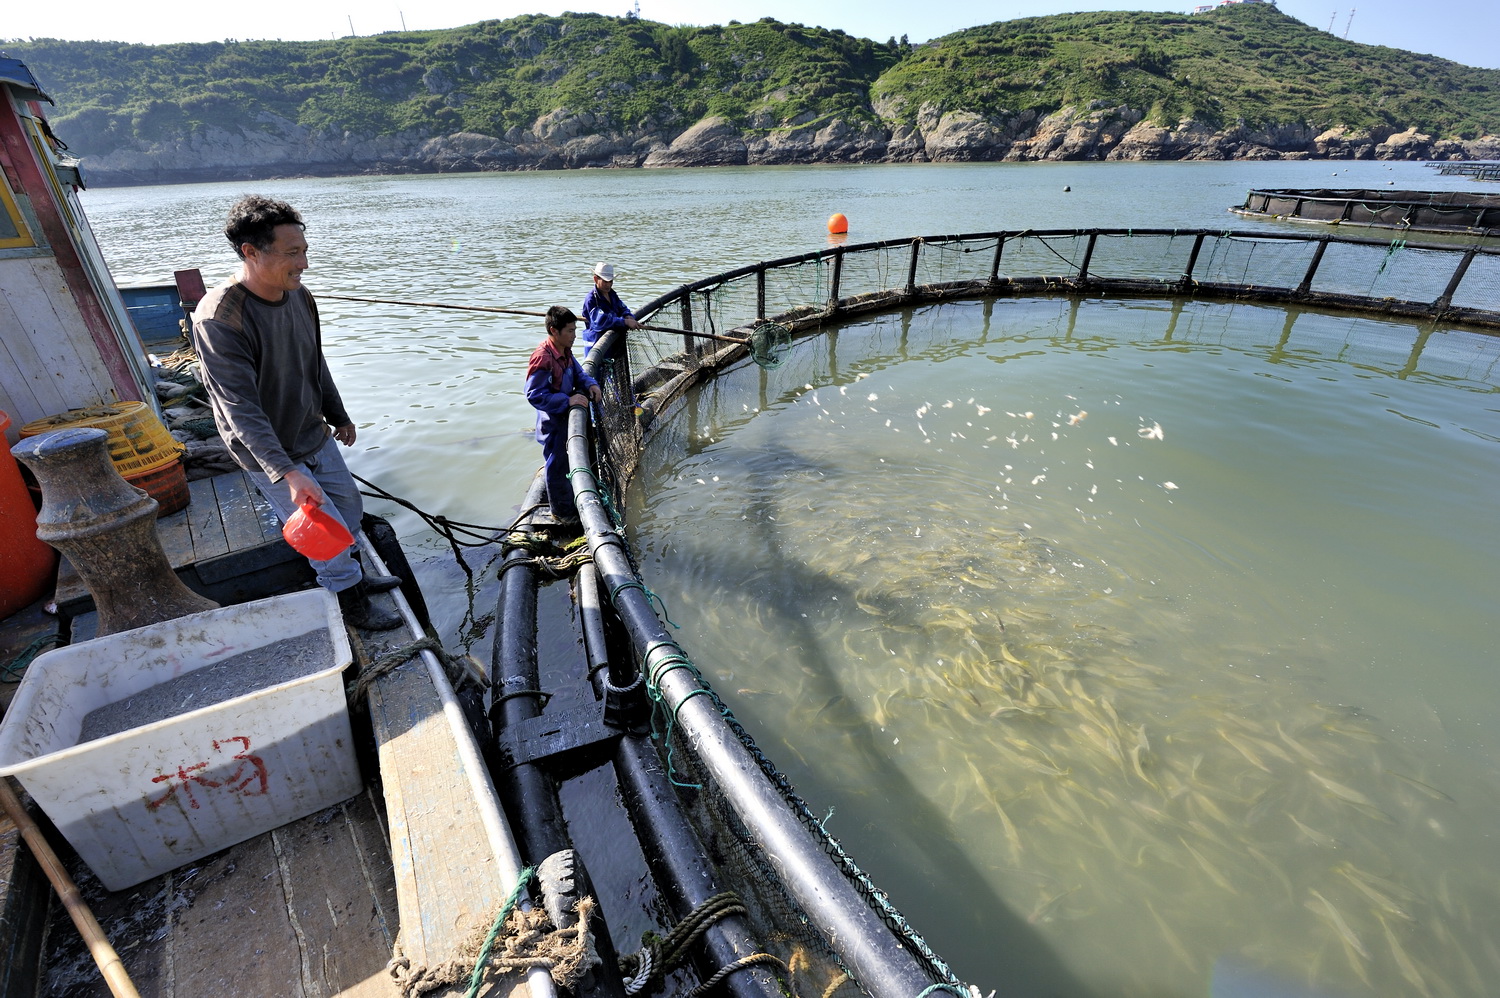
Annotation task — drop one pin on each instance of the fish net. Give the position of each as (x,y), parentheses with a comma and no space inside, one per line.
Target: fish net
(645,375)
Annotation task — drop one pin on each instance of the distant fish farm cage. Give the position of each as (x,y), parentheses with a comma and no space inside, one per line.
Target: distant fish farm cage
(1463,212)
(809,904)
(1480,170)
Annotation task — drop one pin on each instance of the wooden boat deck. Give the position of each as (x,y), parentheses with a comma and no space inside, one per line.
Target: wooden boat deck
(317,907)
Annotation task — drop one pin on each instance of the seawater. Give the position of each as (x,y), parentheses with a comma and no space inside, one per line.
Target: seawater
(1137,645)
(1109,712)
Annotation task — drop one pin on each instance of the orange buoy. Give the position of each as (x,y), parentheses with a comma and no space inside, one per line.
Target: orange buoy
(837,223)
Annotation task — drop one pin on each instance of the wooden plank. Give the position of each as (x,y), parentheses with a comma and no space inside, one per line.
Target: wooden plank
(236,938)
(447,881)
(48,343)
(176,537)
(246,561)
(335,900)
(205,522)
(242,528)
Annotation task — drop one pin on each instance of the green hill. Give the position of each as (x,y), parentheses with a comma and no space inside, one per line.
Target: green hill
(1248,62)
(640,85)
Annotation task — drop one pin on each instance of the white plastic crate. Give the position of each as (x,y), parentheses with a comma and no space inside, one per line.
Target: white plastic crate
(152,798)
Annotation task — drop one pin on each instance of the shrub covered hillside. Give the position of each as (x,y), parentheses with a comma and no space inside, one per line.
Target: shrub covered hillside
(485,78)
(1249,63)
(590,90)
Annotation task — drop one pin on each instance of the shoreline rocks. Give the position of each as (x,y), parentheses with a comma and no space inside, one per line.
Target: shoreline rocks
(275,148)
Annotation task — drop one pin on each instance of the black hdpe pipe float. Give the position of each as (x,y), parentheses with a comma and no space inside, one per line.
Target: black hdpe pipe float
(875,958)
(679,864)
(530,792)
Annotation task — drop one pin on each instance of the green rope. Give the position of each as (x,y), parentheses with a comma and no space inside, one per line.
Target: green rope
(950,988)
(476,980)
(636,584)
(11,672)
(653,690)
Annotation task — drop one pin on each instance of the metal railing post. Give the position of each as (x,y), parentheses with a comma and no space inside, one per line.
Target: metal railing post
(833,284)
(995,263)
(1312,266)
(1446,298)
(911,267)
(1088,255)
(760,293)
(1192,261)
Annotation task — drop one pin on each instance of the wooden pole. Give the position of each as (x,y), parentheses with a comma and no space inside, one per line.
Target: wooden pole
(104,954)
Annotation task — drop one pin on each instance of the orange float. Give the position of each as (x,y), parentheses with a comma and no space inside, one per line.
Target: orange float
(837,223)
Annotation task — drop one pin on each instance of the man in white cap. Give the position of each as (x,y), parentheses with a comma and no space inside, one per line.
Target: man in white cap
(602,309)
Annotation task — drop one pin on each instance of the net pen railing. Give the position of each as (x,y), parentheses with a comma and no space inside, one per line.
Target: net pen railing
(1455,282)
(643,373)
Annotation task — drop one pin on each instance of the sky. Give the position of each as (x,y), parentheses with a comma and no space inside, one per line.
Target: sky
(1461,30)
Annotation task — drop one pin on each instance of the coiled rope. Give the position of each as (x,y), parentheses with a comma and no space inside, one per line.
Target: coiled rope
(659,956)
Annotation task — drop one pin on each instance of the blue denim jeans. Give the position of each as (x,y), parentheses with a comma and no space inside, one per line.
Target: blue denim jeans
(344,504)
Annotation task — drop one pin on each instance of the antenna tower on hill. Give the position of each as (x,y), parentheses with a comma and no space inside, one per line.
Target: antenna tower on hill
(1331,18)
(1348,22)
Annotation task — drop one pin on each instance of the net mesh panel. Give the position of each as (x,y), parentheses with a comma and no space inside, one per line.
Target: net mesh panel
(1393,271)
(1042,256)
(798,294)
(1250,262)
(1480,287)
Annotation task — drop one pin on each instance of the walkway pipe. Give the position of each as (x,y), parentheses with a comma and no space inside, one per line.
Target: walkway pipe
(875,957)
(531,791)
(678,861)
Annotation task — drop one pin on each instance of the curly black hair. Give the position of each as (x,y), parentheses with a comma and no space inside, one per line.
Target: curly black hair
(254,219)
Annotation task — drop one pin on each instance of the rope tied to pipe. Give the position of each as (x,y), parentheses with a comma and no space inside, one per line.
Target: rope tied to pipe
(660,955)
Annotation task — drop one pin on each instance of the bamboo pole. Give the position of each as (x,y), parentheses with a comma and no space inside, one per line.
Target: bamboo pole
(103,953)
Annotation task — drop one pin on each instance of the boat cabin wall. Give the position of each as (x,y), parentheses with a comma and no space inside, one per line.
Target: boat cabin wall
(66,341)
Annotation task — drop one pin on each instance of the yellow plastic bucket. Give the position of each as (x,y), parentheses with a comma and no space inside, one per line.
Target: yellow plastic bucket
(138,442)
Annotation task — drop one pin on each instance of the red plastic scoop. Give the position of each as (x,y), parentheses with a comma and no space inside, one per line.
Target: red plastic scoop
(314,534)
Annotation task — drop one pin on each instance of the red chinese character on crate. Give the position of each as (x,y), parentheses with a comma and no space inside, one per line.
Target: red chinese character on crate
(258,774)
(251,784)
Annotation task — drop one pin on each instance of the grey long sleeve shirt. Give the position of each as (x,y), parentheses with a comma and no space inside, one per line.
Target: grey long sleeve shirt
(268,383)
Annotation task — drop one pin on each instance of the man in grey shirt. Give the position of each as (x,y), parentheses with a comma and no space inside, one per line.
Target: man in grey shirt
(274,401)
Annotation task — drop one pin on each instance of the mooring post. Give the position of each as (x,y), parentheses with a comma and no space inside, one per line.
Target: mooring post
(107,528)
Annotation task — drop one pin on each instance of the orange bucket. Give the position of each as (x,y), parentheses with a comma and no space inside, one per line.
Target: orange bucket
(314,534)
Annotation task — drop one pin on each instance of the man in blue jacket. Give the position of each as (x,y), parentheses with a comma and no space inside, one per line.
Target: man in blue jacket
(555,382)
(602,309)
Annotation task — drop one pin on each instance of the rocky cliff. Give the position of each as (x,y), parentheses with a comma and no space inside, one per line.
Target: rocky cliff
(277,147)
